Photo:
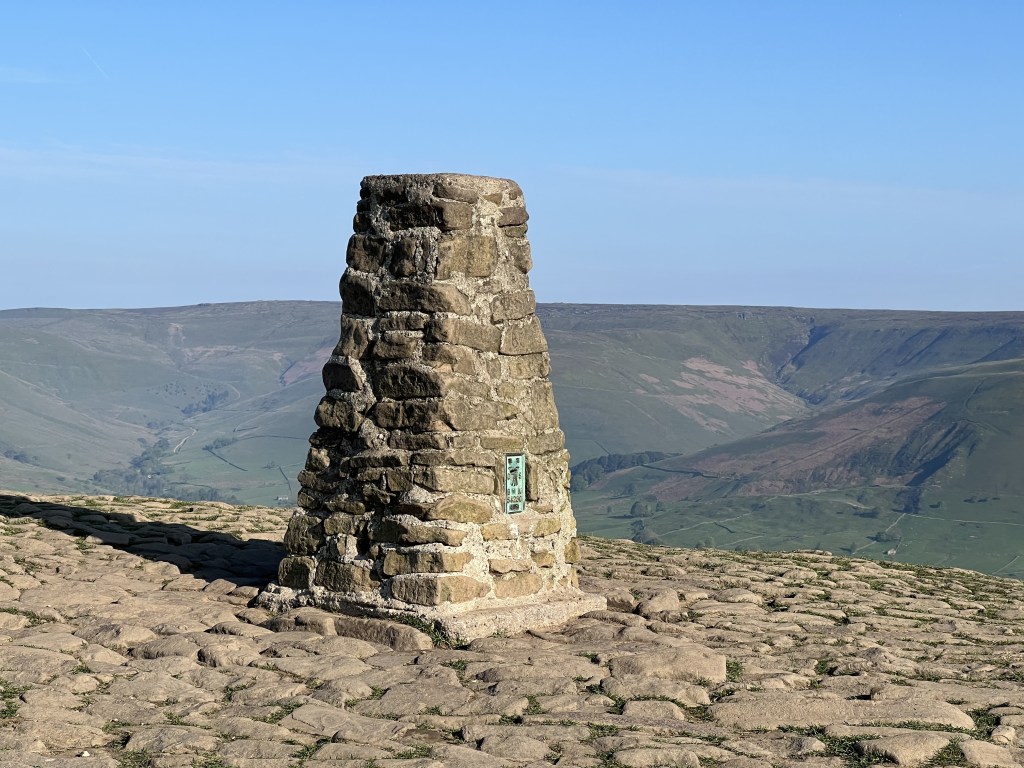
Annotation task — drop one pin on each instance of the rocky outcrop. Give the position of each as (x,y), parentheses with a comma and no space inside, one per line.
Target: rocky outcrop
(436,486)
(126,638)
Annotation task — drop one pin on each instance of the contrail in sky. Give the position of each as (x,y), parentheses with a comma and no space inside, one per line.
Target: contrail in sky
(94,63)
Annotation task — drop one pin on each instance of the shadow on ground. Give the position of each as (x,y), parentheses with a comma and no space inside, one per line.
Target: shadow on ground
(208,555)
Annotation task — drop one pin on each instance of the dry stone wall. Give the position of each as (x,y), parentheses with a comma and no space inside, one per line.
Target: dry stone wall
(437,482)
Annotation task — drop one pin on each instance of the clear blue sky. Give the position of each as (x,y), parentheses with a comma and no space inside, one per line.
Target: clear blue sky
(828,154)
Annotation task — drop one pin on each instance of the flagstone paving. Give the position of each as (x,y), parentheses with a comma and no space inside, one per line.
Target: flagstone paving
(127,640)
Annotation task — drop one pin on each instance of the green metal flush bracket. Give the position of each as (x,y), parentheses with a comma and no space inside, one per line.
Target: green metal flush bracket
(515,483)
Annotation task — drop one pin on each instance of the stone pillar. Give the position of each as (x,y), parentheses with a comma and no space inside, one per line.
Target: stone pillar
(437,484)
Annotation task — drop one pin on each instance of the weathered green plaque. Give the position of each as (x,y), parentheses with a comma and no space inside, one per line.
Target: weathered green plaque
(515,483)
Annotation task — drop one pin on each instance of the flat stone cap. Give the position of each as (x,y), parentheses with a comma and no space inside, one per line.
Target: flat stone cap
(454,186)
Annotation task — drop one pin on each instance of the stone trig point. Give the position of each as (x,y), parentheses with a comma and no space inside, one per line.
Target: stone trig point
(437,484)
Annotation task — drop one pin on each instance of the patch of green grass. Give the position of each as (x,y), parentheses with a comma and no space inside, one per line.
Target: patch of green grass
(843,747)
(733,671)
(431,630)
(210,761)
(700,714)
(230,690)
(608,761)
(283,710)
(9,703)
(984,723)
(310,750)
(951,754)
(459,665)
(33,618)
(134,758)
(533,708)
(602,730)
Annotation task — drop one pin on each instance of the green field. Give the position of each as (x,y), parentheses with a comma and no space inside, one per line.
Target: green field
(985,535)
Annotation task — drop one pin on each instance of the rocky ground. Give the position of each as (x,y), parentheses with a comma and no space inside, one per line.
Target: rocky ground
(126,640)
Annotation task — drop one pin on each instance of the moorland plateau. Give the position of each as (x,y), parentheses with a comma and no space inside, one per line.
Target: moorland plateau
(885,434)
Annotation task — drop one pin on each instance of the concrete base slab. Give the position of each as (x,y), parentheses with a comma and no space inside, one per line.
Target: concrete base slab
(455,624)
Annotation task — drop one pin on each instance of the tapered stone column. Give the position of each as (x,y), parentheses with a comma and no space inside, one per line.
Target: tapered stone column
(437,484)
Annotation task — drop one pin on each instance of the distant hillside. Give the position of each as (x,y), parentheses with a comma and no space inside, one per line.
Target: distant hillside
(929,467)
(216,401)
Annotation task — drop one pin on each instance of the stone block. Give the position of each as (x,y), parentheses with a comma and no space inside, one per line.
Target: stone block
(423,415)
(543,559)
(503,443)
(496,532)
(454,215)
(472,255)
(317,481)
(433,589)
(542,406)
(523,338)
(340,523)
(513,306)
(307,498)
(342,374)
(355,337)
(458,457)
(463,415)
(406,257)
(346,505)
(396,345)
(396,562)
(455,330)
(512,216)
(546,526)
(357,294)
(460,509)
(408,533)
(398,479)
(572,551)
(445,480)
(402,440)
(296,572)
(467,387)
(503,565)
(450,357)
(453,191)
(546,442)
(365,253)
(406,295)
(305,535)
(402,321)
(535,366)
(345,577)
(317,459)
(362,223)
(532,481)
(517,585)
(334,413)
(403,381)
(410,215)
(519,252)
